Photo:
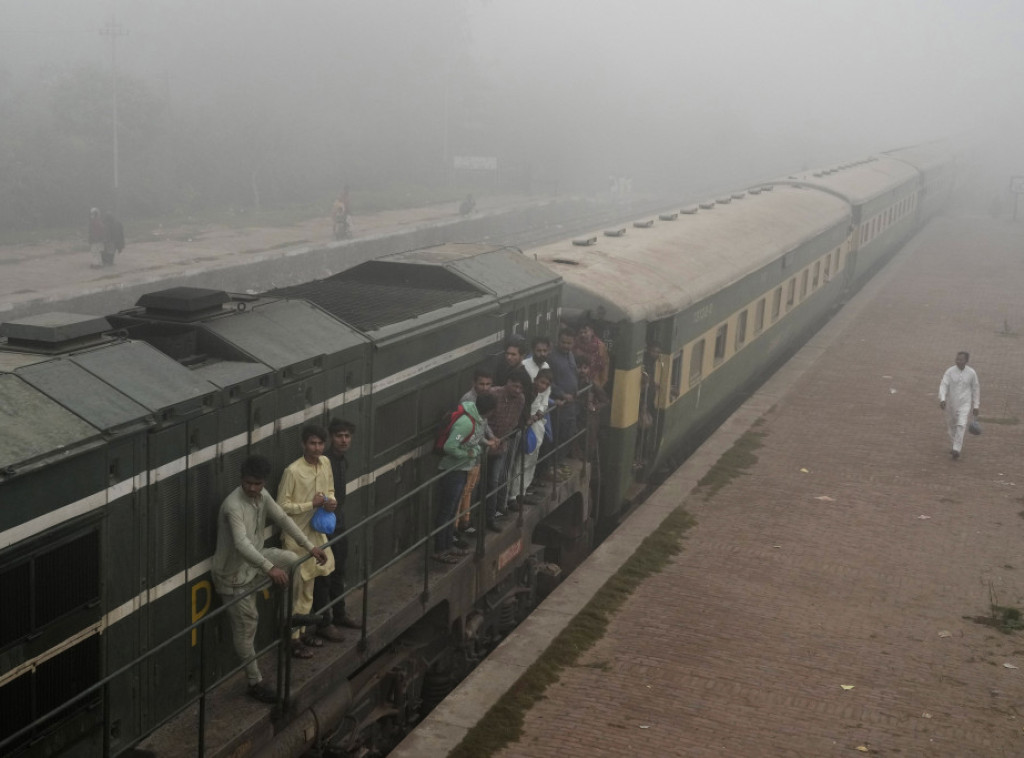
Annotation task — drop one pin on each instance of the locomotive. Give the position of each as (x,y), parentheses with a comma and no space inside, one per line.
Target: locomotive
(122,434)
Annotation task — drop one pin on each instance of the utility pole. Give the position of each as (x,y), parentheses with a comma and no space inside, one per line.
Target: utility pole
(114,30)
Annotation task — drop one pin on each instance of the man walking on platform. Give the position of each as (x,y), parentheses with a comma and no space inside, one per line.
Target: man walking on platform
(959,396)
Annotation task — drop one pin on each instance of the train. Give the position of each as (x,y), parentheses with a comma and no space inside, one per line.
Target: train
(123,433)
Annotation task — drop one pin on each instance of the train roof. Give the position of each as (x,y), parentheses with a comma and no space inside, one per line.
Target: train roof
(395,293)
(651,273)
(925,157)
(34,425)
(858,182)
(501,271)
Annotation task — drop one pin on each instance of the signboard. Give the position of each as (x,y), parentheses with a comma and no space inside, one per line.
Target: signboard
(475,162)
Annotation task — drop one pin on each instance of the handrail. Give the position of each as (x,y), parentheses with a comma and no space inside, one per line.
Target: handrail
(282,642)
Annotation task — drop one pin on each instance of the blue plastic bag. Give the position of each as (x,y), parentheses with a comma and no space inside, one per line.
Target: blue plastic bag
(324,521)
(974,427)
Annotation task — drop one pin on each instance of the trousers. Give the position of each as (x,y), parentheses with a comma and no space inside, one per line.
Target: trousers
(245,617)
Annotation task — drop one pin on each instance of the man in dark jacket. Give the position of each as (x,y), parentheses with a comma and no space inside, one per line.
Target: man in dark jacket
(332,586)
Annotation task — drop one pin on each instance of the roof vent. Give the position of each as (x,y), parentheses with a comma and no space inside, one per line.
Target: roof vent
(689,210)
(620,232)
(567,261)
(708,205)
(183,303)
(585,242)
(668,216)
(754,190)
(54,332)
(644,224)
(724,200)
(738,195)
(768,188)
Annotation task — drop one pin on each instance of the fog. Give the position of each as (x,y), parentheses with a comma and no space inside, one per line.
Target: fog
(234,99)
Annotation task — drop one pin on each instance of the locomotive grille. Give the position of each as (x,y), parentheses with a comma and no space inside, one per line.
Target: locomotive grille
(376,294)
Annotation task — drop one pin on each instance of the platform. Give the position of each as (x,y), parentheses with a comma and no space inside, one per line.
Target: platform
(827,602)
(64,275)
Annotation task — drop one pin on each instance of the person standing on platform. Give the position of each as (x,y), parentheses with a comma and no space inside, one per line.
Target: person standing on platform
(959,397)
(332,586)
(241,562)
(308,484)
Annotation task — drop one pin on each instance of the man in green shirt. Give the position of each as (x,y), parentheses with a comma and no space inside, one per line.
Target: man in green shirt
(241,562)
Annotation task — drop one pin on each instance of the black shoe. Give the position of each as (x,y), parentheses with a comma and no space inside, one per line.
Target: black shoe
(460,543)
(955,454)
(349,622)
(493,526)
(305,619)
(262,692)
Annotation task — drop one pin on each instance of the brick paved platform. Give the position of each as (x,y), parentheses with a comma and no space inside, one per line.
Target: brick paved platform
(743,645)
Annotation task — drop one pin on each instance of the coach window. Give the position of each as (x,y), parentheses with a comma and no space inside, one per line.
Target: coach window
(677,374)
(803,284)
(696,362)
(741,329)
(790,293)
(776,304)
(817,275)
(759,316)
(835,260)
(720,337)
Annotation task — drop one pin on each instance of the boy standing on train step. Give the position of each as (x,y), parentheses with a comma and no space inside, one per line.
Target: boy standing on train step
(332,587)
(959,396)
(241,562)
(308,484)
(462,449)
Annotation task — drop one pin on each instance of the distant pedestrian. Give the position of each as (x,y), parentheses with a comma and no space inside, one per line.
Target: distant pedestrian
(959,397)
(106,236)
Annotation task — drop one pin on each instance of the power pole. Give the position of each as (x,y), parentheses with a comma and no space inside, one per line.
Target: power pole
(113,30)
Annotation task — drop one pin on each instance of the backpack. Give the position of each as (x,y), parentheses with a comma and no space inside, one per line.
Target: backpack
(444,429)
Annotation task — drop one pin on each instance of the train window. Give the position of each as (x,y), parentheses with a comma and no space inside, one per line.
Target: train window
(741,329)
(803,284)
(759,316)
(696,362)
(677,374)
(776,304)
(720,337)
(835,261)
(817,275)
(790,293)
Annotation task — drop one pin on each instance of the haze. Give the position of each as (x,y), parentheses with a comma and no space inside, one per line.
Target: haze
(314,94)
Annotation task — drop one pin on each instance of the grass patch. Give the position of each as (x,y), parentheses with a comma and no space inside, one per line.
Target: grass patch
(503,723)
(735,460)
(1004,618)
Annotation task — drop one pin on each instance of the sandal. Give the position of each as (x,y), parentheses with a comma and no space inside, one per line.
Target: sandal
(311,640)
(298,651)
(445,558)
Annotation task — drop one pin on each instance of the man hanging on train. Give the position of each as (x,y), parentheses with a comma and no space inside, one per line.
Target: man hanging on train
(241,563)
(462,447)
(307,485)
(506,424)
(332,586)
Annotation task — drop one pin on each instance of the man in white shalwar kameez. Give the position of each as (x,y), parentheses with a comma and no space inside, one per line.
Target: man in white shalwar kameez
(959,396)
